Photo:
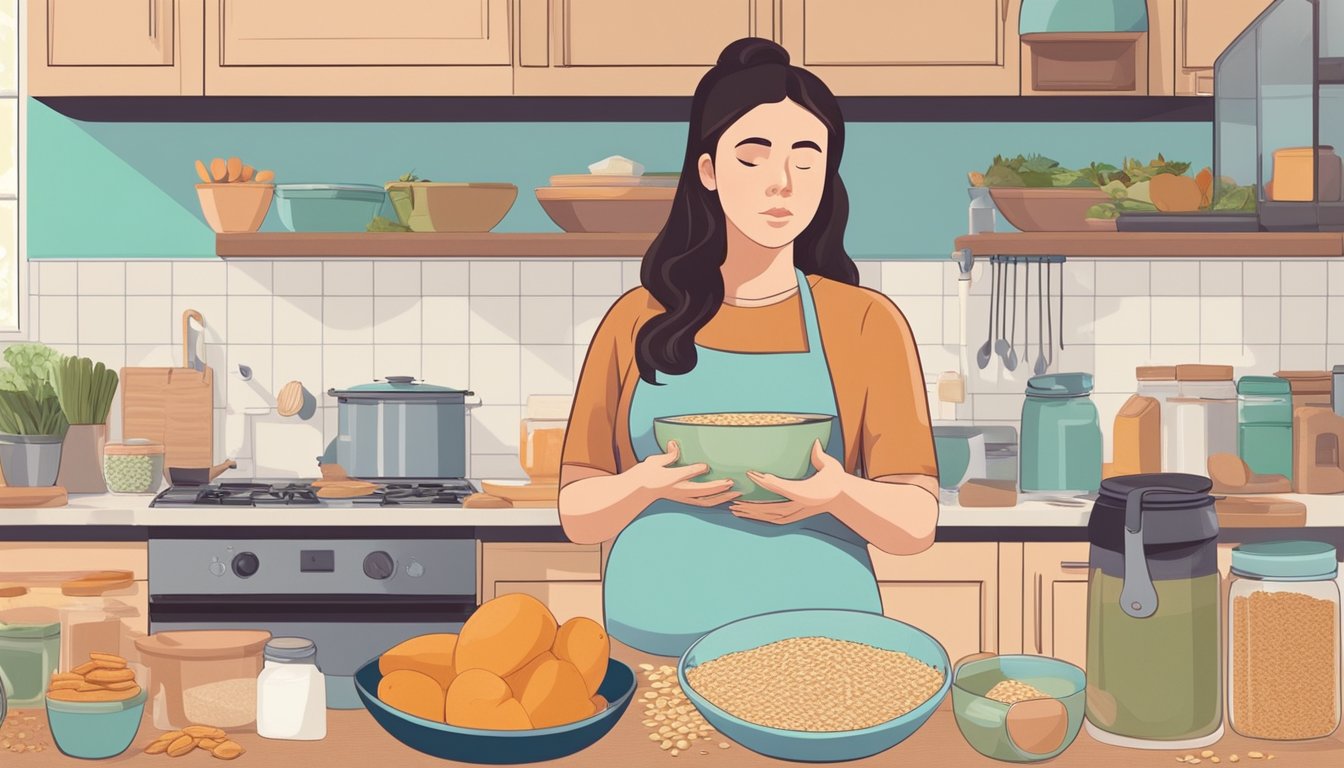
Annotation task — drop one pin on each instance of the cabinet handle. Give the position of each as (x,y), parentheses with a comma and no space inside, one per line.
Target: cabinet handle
(153,22)
(1039,582)
(1073,565)
(1005,10)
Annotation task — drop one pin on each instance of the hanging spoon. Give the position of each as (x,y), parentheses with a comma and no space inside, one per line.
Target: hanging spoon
(982,355)
(1011,359)
(1041,364)
(1001,344)
(1049,322)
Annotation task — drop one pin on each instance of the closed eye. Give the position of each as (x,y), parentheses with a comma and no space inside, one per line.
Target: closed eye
(749,165)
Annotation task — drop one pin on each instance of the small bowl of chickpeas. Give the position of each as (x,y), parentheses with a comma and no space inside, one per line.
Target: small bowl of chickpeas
(732,443)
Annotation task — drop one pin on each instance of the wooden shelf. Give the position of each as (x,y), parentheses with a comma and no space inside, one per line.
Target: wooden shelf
(428,245)
(1188,245)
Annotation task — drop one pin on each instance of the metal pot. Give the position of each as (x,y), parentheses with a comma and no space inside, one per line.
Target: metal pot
(30,460)
(399,428)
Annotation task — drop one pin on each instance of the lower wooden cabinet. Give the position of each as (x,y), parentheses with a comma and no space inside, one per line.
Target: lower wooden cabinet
(950,590)
(566,577)
(1054,597)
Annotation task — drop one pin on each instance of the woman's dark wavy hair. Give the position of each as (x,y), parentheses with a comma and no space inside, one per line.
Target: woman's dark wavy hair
(681,267)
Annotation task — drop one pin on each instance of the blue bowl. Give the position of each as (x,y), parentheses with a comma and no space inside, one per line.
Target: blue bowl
(94,730)
(807,746)
(328,207)
(475,745)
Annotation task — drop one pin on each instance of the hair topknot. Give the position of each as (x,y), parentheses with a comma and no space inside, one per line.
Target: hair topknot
(752,51)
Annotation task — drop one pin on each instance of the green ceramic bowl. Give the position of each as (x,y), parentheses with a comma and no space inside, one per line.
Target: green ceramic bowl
(1043,728)
(94,730)
(784,450)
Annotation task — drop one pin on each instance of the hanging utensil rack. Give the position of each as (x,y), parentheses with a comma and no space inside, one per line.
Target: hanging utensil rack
(1048,318)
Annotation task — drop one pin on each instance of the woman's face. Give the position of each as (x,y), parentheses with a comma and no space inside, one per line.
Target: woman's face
(769,169)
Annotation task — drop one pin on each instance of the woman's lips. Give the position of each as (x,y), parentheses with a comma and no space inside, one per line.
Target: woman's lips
(780,216)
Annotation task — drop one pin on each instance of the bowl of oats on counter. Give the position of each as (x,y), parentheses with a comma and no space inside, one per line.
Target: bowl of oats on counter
(732,443)
(1018,708)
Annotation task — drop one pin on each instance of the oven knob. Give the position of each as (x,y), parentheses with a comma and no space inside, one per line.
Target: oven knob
(245,564)
(415,569)
(379,565)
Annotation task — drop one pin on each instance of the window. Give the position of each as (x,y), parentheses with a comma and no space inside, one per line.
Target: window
(13,321)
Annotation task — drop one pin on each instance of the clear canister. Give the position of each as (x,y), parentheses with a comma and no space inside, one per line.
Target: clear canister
(30,647)
(133,467)
(541,437)
(1283,640)
(1061,435)
(204,677)
(1159,382)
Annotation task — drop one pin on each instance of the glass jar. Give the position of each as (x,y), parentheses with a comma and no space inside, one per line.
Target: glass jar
(30,652)
(291,692)
(1159,382)
(1061,435)
(1283,640)
(541,437)
(204,677)
(1265,425)
(133,467)
(1154,633)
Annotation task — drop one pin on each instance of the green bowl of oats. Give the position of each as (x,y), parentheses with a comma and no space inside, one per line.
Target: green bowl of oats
(732,443)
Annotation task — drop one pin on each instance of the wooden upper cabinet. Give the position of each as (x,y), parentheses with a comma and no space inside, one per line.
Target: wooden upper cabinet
(623,48)
(114,47)
(906,47)
(1203,30)
(355,48)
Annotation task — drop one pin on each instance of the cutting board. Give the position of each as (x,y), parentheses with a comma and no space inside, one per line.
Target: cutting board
(45,496)
(1260,512)
(173,406)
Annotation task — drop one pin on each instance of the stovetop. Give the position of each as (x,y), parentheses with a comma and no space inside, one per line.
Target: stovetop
(291,493)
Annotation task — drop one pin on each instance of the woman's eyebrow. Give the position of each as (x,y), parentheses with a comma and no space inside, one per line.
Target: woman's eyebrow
(806,145)
(755,140)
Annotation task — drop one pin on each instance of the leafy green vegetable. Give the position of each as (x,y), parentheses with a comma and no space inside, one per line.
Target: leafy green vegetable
(1103,211)
(1235,198)
(384,224)
(28,403)
(85,390)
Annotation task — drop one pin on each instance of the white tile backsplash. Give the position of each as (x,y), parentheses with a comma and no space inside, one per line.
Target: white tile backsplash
(149,278)
(298,320)
(102,278)
(1175,278)
(200,278)
(445,278)
(588,314)
(546,369)
(597,278)
(494,428)
(547,278)
(102,319)
(446,319)
(1220,320)
(60,278)
(1123,319)
(1261,278)
(346,366)
(925,316)
(1305,278)
(1304,320)
(547,320)
(396,320)
(448,365)
(494,319)
(870,275)
(494,278)
(396,360)
(256,392)
(1261,319)
(630,274)
(213,309)
(298,278)
(1302,357)
(1176,319)
(495,373)
(347,278)
(396,278)
(149,320)
(347,320)
(250,320)
(251,278)
(301,363)
(1122,278)
(1219,278)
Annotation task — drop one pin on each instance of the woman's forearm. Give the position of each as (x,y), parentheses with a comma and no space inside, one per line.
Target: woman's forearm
(594,509)
(898,518)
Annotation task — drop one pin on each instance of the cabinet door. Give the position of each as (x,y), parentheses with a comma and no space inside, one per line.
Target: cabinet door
(566,577)
(1055,603)
(1204,29)
(348,47)
(114,48)
(900,47)
(620,48)
(950,591)
(566,599)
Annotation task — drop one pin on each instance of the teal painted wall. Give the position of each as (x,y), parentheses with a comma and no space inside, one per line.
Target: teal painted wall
(125,190)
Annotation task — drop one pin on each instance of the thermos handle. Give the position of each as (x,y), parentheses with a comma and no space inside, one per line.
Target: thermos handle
(1138,597)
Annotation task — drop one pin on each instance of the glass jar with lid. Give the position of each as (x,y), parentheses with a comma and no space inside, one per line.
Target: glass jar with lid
(1283,640)
(291,692)
(541,437)
(1061,435)
(133,467)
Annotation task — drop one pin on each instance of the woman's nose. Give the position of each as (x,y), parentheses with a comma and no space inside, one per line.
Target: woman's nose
(783,185)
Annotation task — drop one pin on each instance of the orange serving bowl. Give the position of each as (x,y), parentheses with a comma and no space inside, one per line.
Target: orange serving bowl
(1047,209)
(238,206)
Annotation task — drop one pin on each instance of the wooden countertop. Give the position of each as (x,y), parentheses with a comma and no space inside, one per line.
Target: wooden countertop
(1188,245)
(354,739)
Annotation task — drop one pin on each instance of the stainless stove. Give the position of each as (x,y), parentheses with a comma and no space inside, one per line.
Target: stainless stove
(289,493)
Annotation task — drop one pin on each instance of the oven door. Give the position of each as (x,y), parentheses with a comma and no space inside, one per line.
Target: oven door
(348,630)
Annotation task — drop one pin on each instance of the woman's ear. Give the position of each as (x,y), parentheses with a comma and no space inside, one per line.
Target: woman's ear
(706,166)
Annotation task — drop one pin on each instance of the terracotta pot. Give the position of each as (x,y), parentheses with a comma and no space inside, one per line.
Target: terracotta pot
(235,206)
(82,459)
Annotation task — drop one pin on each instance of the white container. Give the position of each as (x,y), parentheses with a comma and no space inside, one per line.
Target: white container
(1201,428)
(1159,383)
(291,692)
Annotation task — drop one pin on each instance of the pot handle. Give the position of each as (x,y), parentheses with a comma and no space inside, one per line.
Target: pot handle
(189,359)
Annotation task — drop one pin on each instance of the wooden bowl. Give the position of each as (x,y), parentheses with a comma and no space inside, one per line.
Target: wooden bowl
(607,209)
(238,206)
(452,206)
(1047,209)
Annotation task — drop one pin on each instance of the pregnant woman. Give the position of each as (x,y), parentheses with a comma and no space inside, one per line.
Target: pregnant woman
(749,303)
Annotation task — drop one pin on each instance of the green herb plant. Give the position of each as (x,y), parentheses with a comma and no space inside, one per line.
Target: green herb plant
(28,402)
(85,389)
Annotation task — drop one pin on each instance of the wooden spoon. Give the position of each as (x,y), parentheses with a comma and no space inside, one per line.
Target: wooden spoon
(345,489)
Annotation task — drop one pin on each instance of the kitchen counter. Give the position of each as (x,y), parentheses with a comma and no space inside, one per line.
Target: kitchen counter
(1039,517)
(354,739)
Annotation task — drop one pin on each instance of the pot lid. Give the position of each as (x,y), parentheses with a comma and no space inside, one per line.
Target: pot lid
(1263,385)
(1290,560)
(1182,512)
(401,384)
(204,643)
(290,649)
(1060,385)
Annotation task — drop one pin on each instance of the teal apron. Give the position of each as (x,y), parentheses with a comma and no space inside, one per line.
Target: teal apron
(677,570)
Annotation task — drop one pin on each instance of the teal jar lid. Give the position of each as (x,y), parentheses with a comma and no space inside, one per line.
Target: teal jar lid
(1263,385)
(1287,560)
(1090,16)
(29,631)
(1060,385)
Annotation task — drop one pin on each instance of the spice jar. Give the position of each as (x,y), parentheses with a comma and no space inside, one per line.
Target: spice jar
(291,692)
(1283,633)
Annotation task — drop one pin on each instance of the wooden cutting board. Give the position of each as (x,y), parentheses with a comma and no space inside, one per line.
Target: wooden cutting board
(173,406)
(1260,512)
(45,496)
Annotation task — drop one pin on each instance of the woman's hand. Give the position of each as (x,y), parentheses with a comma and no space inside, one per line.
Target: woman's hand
(807,497)
(657,479)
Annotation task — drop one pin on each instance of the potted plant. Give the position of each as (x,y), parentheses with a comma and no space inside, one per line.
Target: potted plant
(85,391)
(32,425)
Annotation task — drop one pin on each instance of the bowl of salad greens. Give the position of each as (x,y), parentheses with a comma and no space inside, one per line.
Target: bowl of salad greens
(1036,194)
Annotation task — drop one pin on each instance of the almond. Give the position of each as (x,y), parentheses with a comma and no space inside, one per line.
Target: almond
(228,750)
(204,732)
(181,746)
